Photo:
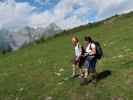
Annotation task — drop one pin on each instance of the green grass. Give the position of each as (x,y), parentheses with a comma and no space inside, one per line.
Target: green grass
(29,73)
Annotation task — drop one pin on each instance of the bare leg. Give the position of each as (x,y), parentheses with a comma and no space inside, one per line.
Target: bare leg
(74,69)
(84,80)
(81,71)
(85,73)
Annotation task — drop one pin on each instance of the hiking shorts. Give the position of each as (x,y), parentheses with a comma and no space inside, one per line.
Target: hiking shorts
(90,63)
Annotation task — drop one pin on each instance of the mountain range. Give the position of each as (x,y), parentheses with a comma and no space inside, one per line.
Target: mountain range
(11,40)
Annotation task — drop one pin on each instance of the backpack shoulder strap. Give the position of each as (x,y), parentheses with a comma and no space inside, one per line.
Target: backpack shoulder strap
(90,46)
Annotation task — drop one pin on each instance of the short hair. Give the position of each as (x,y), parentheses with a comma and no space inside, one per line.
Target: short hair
(88,38)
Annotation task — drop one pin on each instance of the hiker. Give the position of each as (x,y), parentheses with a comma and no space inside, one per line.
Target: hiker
(90,59)
(78,58)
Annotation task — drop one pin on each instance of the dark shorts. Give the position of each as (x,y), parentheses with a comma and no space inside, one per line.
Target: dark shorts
(79,62)
(90,63)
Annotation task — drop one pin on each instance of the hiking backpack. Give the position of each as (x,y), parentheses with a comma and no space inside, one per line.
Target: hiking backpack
(99,51)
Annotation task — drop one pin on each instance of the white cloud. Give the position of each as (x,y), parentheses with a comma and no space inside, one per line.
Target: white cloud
(64,14)
(14,14)
(41,19)
(71,22)
(66,8)
(112,7)
(103,9)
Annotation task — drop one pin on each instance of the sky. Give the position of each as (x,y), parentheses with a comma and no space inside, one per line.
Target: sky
(65,13)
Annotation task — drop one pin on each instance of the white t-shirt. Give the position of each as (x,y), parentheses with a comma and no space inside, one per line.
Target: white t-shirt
(77,50)
(90,47)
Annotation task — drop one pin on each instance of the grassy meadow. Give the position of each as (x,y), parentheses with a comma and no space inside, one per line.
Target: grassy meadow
(41,71)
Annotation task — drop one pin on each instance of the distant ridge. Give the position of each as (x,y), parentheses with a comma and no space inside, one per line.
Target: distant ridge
(12,40)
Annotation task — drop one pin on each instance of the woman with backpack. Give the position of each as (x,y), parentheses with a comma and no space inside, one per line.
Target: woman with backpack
(90,58)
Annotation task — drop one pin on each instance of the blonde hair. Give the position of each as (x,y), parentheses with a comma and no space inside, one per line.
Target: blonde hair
(75,39)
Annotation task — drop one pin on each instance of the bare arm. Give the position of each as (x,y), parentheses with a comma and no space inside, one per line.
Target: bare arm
(93,51)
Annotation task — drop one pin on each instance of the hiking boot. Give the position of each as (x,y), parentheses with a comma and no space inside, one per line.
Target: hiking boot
(94,81)
(80,76)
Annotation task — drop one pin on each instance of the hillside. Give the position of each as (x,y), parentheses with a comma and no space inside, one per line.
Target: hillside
(37,72)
